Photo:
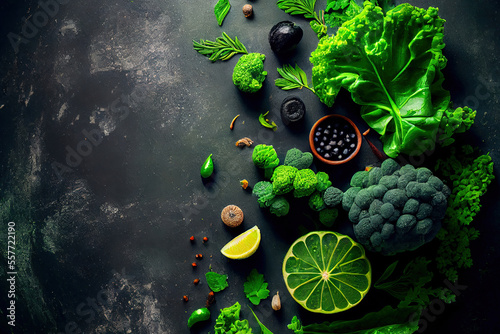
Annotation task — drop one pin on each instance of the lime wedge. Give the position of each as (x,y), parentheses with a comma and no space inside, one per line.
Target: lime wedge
(243,245)
(326,272)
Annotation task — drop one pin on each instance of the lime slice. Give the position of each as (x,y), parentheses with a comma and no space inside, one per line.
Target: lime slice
(326,272)
(243,245)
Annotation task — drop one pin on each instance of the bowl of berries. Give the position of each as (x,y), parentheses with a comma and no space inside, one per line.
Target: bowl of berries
(335,139)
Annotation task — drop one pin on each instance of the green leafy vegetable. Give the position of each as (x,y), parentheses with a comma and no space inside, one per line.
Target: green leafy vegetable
(263,328)
(391,64)
(305,8)
(339,11)
(455,121)
(402,320)
(216,282)
(228,321)
(266,123)
(222,49)
(255,288)
(221,9)
(469,176)
(249,74)
(292,78)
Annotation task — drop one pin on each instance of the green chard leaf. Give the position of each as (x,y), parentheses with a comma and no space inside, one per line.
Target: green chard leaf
(221,9)
(223,48)
(391,64)
(216,282)
(292,78)
(255,288)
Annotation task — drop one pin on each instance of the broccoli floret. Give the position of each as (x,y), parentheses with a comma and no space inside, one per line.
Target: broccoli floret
(387,231)
(377,220)
(298,159)
(395,216)
(375,207)
(405,223)
(282,179)
(435,182)
(424,211)
(354,213)
(332,196)
(420,191)
(264,192)
(328,216)
(374,176)
(406,169)
(411,206)
(360,179)
(423,227)
(305,183)
(316,201)
(279,206)
(423,174)
(379,190)
(386,210)
(363,214)
(323,181)
(404,179)
(348,198)
(396,197)
(249,74)
(265,157)
(389,181)
(389,166)
(364,230)
(376,240)
(364,198)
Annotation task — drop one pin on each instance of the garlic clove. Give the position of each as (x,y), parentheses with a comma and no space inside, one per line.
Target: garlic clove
(276,302)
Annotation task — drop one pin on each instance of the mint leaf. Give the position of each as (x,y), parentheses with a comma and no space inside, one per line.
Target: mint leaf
(255,288)
(221,9)
(216,282)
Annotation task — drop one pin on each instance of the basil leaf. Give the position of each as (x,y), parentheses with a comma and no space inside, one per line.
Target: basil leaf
(221,9)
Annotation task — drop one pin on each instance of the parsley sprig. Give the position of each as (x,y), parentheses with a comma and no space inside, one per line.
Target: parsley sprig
(222,48)
(255,287)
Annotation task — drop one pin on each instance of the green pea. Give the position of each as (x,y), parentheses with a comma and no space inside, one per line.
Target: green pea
(207,168)
(201,314)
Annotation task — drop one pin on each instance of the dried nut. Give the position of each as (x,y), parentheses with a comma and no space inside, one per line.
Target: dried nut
(232,215)
(247,10)
(276,302)
(244,142)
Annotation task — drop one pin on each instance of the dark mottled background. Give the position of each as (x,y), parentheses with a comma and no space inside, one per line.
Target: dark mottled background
(102,239)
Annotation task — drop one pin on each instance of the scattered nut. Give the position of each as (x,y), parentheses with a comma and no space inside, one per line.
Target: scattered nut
(244,142)
(247,10)
(276,302)
(232,216)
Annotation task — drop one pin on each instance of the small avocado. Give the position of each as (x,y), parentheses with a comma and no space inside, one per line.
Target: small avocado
(284,37)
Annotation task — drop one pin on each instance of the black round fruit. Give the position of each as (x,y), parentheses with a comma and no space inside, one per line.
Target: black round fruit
(284,36)
(292,110)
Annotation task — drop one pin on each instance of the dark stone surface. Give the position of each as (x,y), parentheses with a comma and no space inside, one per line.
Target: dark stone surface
(103,237)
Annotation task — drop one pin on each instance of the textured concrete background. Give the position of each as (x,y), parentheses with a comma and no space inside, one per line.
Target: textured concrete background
(102,236)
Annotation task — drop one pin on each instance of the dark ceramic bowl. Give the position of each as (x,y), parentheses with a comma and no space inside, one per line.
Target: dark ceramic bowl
(342,124)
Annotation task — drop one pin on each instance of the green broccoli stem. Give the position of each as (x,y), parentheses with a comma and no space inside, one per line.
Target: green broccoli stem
(268,172)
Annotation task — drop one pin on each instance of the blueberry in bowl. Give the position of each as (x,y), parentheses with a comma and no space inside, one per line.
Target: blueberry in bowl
(334,139)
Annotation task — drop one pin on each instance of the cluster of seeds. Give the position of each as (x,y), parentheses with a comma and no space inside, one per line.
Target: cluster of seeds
(335,140)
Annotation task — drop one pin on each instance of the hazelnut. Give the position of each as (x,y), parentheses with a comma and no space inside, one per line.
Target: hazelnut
(247,10)
(232,216)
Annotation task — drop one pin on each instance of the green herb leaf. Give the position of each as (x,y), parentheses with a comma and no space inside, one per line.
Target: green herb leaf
(263,328)
(222,48)
(298,7)
(292,78)
(221,9)
(265,122)
(387,273)
(255,288)
(216,282)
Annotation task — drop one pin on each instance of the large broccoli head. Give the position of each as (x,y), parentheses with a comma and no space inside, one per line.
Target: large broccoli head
(265,157)
(249,74)
(395,209)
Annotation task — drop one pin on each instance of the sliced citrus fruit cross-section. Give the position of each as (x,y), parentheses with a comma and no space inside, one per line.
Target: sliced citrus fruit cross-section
(243,245)
(326,272)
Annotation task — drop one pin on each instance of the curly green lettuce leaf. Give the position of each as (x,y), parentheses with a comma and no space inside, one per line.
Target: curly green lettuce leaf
(391,64)
(455,121)
(227,317)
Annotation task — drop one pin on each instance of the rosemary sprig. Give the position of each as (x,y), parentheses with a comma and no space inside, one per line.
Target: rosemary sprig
(292,78)
(222,49)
